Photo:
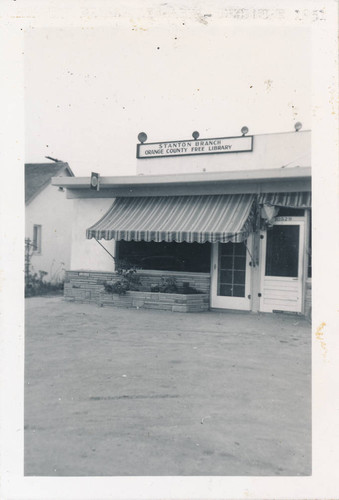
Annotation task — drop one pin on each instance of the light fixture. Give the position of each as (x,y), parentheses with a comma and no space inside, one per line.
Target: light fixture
(195,135)
(298,126)
(142,137)
(95,183)
(244,130)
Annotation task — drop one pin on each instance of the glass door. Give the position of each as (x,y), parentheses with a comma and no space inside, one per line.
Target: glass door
(230,286)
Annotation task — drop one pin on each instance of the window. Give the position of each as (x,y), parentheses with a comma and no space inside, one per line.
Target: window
(163,256)
(282,251)
(36,238)
(291,212)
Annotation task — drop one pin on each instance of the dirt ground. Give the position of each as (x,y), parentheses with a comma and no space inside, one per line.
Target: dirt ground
(115,392)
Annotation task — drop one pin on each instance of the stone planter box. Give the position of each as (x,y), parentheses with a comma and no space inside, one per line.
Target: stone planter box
(87,286)
(155,300)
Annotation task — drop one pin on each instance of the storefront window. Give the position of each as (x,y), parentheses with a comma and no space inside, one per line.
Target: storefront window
(163,256)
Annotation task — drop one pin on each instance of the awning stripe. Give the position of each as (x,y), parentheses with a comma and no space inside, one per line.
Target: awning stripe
(177,218)
(291,200)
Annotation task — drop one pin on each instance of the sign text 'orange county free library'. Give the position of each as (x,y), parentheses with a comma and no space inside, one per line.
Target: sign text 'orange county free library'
(195,147)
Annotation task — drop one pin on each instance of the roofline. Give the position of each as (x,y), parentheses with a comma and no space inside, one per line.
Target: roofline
(69,170)
(61,164)
(285,132)
(48,182)
(179,179)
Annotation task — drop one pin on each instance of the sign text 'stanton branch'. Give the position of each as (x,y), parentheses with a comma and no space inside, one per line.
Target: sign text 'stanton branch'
(195,147)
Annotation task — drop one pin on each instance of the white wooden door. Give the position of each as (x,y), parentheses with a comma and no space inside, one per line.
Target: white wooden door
(281,260)
(231,273)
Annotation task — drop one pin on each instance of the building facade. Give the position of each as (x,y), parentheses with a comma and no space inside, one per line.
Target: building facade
(229,216)
(48,220)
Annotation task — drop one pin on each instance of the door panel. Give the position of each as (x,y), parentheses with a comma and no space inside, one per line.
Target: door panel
(230,276)
(282,266)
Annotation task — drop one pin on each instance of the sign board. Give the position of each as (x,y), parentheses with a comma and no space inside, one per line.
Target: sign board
(217,145)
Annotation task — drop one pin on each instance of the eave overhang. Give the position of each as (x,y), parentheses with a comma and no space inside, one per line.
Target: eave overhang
(246,181)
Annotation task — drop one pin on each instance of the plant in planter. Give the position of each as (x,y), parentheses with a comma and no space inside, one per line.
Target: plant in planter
(129,279)
(166,285)
(169,285)
(189,290)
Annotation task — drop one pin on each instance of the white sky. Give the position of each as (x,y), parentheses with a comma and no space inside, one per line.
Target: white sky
(90,91)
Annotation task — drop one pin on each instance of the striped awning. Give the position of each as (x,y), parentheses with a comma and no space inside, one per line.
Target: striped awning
(291,200)
(177,218)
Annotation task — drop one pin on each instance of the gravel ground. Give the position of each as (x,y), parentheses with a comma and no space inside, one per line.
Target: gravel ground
(115,392)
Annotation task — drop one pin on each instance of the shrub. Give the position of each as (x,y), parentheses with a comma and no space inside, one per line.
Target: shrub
(35,285)
(189,290)
(118,287)
(34,282)
(166,285)
(129,279)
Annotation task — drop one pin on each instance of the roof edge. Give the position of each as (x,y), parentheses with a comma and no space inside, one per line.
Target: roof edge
(179,179)
(48,181)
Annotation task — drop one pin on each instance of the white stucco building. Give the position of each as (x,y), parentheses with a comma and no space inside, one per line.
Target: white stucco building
(238,224)
(48,219)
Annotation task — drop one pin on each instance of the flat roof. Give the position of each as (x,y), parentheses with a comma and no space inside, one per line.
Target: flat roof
(180,179)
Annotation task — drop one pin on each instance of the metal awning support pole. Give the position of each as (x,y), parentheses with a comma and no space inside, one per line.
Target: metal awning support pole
(105,249)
